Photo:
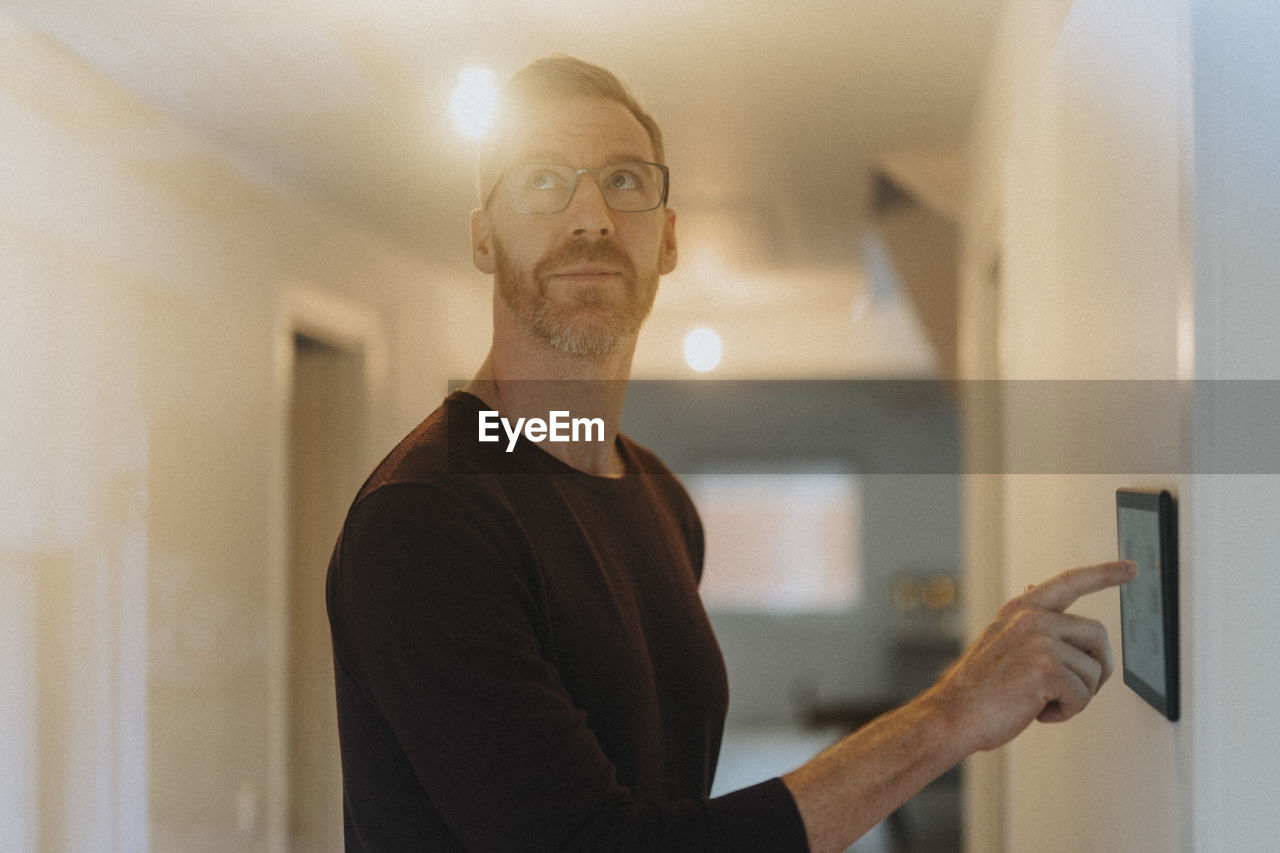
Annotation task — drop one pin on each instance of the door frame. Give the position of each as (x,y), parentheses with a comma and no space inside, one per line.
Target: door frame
(346,324)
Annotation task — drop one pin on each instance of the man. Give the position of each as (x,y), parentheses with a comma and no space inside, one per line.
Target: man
(522,661)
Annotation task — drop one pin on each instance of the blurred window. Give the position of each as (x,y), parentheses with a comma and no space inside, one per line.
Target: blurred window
(780,542)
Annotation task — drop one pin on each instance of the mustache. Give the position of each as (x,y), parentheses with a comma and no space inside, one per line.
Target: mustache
(577,252)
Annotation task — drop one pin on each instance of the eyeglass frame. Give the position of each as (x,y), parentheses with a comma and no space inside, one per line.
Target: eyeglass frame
(577,180)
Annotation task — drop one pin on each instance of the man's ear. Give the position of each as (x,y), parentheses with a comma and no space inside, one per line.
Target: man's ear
(669,254)
(482,242)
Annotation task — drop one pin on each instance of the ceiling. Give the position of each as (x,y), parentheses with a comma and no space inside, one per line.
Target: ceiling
(775,115)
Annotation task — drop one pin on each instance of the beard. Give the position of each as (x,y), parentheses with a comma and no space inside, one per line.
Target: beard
(584,321)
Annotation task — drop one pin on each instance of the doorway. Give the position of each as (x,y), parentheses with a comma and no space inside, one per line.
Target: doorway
(327,417)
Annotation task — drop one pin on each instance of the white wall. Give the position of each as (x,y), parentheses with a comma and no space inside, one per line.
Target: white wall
(1087,185)
(1080,171)
(143,273)
(1235,223)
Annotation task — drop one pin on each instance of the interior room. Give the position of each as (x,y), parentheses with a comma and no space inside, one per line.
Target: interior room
(235,270)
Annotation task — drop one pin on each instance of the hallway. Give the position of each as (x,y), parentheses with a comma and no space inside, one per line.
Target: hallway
(1030,190)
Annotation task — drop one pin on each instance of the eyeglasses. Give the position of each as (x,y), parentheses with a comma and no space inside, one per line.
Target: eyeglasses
(631,187)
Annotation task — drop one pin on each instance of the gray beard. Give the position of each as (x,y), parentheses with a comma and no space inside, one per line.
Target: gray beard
(592,324)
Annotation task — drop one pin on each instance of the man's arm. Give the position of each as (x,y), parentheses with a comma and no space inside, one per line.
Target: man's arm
(1033,662)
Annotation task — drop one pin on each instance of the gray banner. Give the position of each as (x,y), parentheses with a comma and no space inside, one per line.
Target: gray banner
(1158,427)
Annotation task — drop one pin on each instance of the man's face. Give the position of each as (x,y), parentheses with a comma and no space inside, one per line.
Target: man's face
(583,279)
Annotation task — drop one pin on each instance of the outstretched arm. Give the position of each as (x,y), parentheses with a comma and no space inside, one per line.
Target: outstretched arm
(1033,662)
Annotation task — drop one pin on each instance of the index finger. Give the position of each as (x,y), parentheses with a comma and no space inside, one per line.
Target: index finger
(1061,592)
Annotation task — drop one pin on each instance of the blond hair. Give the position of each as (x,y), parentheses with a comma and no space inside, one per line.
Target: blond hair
(549,78)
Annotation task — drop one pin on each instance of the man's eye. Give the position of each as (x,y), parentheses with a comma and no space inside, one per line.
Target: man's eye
(623,181)
(545,180)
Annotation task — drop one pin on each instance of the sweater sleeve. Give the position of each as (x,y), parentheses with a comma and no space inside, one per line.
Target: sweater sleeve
(436,629)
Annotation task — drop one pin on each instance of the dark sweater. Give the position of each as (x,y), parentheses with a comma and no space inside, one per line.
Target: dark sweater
(522,659)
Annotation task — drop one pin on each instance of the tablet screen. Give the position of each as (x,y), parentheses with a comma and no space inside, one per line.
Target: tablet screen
(1143,630)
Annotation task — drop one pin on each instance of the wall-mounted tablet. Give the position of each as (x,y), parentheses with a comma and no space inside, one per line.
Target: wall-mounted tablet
(1148,534)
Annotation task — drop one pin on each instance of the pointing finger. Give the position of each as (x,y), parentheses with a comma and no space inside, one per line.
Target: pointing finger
(1061,592)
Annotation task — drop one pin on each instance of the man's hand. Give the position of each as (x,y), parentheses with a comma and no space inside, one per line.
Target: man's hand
(1033,662)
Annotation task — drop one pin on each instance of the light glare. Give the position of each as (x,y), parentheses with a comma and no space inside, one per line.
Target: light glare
(702,349)
(474,101)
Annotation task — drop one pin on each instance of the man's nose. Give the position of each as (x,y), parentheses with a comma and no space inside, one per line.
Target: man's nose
(589,215)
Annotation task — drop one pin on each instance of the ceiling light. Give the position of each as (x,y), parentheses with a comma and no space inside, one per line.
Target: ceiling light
(474,101)
(702,349)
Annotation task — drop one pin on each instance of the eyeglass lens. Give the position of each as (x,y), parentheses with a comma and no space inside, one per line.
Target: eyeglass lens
(547,188)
